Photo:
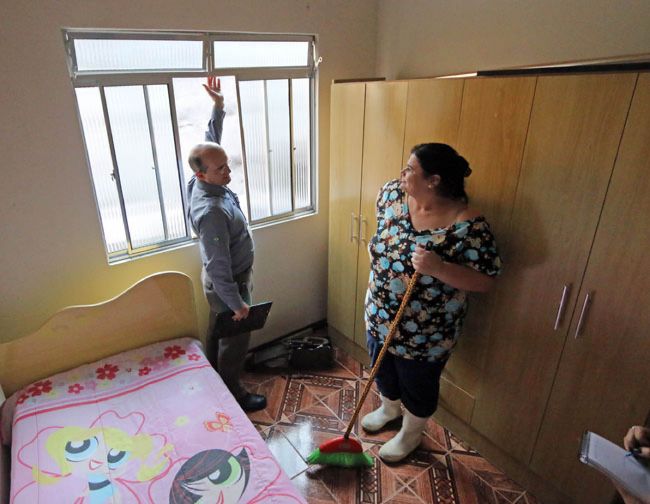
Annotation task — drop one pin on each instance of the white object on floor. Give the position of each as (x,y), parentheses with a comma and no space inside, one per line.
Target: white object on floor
(387,411)
(406,440)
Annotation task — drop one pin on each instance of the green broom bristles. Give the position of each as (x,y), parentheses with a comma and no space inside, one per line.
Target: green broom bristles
(341,459)
(345,451)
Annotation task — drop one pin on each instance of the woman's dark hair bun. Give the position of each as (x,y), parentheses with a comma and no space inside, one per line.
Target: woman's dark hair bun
(463,165)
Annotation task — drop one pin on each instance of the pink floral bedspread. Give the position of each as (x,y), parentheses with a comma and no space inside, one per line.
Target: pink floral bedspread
(152,425)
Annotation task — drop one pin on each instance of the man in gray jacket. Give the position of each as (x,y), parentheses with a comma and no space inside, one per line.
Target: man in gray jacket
(227,251)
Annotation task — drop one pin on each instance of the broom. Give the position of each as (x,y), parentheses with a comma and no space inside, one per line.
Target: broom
(346,452)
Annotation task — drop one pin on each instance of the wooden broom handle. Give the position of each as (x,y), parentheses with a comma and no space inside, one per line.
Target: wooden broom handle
(384,348)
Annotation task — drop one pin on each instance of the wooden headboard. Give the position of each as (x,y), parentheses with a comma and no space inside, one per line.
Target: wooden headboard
(157,308)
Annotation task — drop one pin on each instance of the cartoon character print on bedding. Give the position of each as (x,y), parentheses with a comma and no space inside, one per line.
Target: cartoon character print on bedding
(128,455)
(114,461)
(106,461)
(242,473)
(211,476)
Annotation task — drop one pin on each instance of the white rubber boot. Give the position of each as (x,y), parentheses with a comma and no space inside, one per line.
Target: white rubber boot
(406,440)
(389,410)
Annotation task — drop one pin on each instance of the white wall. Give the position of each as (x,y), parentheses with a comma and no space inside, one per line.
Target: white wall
(420,38)
(51,251)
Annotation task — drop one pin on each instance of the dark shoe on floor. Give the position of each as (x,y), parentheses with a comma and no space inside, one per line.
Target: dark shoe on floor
(252,402)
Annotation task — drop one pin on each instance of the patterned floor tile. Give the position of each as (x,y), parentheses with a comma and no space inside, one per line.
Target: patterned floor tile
(458,445)
(487,472)
(509,496)
(527,498)
(430,444)
(323,386)
(288,458)
(435,485)
(470,489)
(373,485)
(308,435)
(368,485)
(404,496)
(421,459)
(342,401)
(390,483)
(275,390)
(439,435)
(413,466)
(312,489)
(501,499)
(299,397)
(263,430)
(307,409)
(343,483)
(328,423)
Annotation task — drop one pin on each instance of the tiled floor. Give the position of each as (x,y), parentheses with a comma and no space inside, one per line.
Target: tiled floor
(306,409)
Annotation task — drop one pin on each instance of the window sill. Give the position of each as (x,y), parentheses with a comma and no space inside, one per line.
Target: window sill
(284,220)
(192,241)
(158,250)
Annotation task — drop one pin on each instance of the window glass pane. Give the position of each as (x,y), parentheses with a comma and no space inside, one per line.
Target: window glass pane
(277,93)
(246,54)
(166,159)
(138,135)
(101,166)
(253,114)
(193,111)
(301,141)
(110,54)
(132,141)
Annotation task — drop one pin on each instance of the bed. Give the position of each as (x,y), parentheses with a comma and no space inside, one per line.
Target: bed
(116,402)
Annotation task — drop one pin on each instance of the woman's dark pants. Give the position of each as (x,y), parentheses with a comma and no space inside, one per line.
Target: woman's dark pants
(415,383)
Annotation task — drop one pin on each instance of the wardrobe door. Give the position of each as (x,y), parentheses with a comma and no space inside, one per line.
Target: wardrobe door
(602,383)
(346,148)
(493,126)
(575,128)
(383,135)
(432,112)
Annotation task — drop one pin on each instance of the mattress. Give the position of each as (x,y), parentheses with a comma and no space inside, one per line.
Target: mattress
(151,425)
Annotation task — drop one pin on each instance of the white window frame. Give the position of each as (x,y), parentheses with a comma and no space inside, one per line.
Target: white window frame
(101,79)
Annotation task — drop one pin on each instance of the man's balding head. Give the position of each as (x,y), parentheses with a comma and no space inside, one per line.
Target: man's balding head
(196,157)
(209,162)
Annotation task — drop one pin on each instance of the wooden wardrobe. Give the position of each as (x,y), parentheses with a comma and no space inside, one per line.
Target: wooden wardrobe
(561,170)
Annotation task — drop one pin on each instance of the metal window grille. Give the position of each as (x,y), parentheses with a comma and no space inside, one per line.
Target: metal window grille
(135,128)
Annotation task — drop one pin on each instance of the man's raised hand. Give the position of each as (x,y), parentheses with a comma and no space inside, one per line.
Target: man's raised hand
(213,88)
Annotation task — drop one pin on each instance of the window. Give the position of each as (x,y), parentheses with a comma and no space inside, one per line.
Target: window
(142,107)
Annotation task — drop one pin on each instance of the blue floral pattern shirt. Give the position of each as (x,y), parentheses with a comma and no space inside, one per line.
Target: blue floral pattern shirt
(432,320)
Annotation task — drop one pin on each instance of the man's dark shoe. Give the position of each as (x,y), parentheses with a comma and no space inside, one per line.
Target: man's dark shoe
(252,402)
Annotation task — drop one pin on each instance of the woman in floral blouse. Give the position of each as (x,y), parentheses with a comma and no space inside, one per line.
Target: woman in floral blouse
(427,205)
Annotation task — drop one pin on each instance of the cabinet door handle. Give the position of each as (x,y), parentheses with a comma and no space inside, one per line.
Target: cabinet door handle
(362,229)
(583,313)
(353,227)
(560,309)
